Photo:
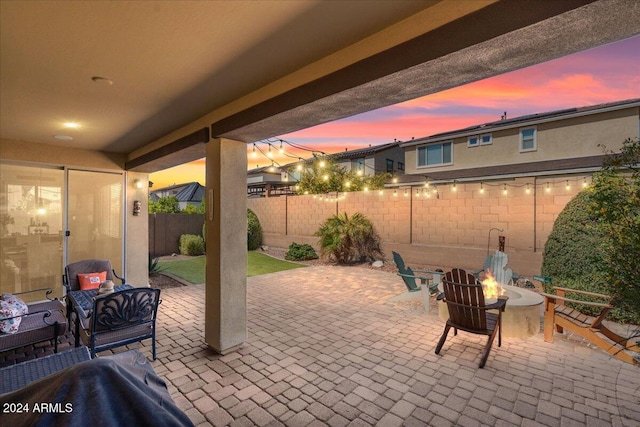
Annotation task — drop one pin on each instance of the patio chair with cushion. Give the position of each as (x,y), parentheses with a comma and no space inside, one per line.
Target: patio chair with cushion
(468,311)
(24,324)
(87,274)
(120,318)
(76,273)
(563,312)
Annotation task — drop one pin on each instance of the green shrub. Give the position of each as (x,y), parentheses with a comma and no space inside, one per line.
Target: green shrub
(254,231)
(572,250)
(349,239)
(300,252)
(191,244)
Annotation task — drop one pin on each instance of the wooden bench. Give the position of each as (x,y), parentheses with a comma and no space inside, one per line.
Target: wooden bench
(563,316)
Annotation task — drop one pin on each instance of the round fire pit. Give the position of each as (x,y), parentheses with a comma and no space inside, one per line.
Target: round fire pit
(521,317)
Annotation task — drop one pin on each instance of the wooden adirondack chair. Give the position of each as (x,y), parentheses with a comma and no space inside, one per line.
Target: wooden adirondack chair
(588,327)
(468,311)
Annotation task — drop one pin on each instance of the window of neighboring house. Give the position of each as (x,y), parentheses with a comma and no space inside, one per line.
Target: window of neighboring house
(400,166)
(435,154)
(477,140)
(389,165)
(528,139)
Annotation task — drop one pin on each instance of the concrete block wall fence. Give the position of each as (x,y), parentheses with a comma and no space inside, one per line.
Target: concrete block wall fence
(448,229)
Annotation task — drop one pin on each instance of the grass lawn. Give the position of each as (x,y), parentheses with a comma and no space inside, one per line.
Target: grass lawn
(192,270)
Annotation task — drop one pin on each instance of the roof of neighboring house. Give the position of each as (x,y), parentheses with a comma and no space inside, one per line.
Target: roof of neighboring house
(190,192)
(361,152)
(193,192)
(529,119)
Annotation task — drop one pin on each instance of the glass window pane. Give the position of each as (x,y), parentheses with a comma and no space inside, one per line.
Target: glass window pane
(434,154)
(446,152)
(422,156)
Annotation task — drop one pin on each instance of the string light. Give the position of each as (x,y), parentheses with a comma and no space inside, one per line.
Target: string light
(568,186)
(548,189)
(299,167)
(504,190)
(426,184)
(395,193)
(584,182)
(347,184)
(395,179)
(366,188)
(359,172)
(481,187)
(528,190)
(418,192)
(406,192)
(269,153)
(454,188)
(325,177)
(381,192)
(322,163)
(281,151)
(253,153)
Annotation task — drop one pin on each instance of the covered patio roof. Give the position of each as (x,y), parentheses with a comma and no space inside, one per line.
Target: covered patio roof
(156,80)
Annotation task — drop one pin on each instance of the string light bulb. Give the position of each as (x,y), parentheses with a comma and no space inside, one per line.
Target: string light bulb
(568,186)
(359,172)
(325,177)
(406,192)
(528,190)
(426,184)
(381,192)
(395,179)
(253,153)
(281,151)
(322,163)
(269,153)
(347,184)
(418,192)
(366,189)
(584,182)
(299,167)
(481,187)
(454,188)
(395,192)
(504,190)
(548,189)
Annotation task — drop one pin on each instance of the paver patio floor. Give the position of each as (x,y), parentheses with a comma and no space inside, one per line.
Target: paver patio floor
(325,347)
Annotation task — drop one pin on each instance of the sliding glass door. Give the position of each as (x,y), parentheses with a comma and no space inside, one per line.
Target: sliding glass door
(95,217)
(31,229)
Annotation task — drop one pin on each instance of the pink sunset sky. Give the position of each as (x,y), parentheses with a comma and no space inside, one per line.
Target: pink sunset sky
(603,74)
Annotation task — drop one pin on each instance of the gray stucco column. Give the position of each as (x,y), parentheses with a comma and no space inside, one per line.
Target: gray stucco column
(226,233)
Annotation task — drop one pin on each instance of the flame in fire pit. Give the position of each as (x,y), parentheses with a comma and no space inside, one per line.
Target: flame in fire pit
(490,286)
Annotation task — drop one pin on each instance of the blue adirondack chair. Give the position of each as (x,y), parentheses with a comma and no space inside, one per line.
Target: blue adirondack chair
(409,276)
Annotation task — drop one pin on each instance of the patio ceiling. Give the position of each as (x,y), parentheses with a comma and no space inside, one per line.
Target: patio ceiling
(251,70)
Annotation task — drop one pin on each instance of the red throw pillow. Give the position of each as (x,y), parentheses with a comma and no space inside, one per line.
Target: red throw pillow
(91,280)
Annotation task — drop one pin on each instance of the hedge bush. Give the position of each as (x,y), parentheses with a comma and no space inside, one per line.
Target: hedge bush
(572,250)
(300,252)
(254,231)
(573,257)
(191,244)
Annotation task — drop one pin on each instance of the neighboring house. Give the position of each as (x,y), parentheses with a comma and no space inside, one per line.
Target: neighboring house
(372,160)
(267,181)
(190,193)
(270,180)
(560,142)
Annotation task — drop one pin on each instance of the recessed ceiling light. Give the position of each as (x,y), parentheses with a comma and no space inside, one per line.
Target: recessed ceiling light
(102,80)
(71,125)
(65,137)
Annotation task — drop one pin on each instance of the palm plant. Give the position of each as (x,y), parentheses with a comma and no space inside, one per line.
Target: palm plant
(348,239)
